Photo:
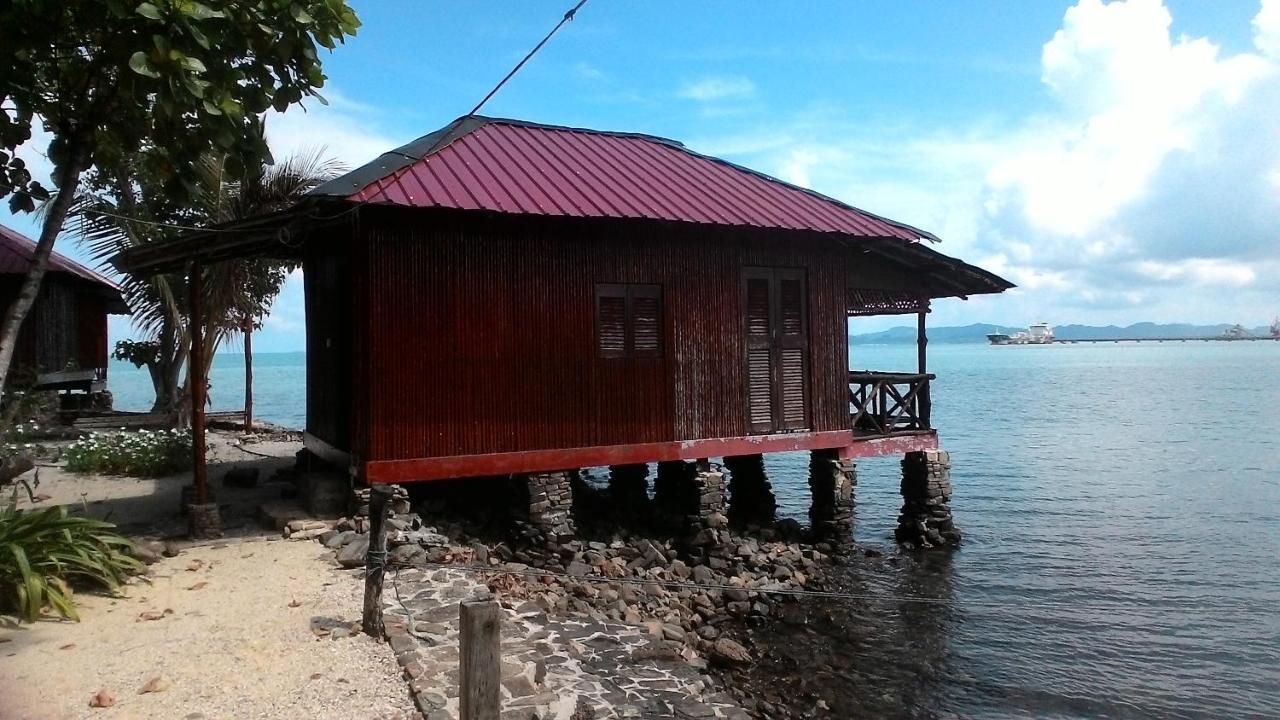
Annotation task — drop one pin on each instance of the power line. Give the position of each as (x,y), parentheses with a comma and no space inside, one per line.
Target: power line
(820,594)
(568,16)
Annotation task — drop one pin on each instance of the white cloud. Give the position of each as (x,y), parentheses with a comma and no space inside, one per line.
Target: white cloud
(1266,28)
(710,89)
(1146,190)
(348,131)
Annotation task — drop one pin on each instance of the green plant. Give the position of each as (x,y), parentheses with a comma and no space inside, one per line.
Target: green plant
(43,551)
(144,453)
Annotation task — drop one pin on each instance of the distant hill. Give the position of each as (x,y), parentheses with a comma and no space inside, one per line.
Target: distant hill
(977,333)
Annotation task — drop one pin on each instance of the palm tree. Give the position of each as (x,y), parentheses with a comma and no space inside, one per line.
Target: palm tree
(122,212)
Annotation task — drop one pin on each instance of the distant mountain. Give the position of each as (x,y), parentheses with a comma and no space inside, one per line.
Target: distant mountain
(977,333)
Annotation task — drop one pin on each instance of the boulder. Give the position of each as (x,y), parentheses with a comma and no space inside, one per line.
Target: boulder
(352,555)
(727,652)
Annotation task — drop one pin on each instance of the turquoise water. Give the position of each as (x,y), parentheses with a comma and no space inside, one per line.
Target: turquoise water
(1121,510)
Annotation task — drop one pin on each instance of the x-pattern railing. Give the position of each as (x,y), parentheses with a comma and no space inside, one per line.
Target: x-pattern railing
(886,403)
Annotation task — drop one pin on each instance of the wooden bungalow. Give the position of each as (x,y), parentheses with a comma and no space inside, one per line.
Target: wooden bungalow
(503,297)
(63,343)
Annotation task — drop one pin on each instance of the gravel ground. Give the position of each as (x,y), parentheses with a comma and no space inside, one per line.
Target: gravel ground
(236,639)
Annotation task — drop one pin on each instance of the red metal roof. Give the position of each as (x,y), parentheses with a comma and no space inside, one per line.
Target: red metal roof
(509,166)
(17,254)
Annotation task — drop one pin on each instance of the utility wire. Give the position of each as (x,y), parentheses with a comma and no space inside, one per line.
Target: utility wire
(686,585)
(568,16)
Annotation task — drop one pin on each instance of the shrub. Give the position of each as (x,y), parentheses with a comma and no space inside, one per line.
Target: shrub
(144,453)
(43,551)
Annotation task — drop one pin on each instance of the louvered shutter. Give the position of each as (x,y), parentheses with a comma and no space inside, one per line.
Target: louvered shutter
(792,350)
(611,320)
(646,320)
(758,306)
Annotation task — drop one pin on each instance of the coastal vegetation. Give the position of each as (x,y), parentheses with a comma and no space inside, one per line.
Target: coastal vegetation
(143,454)
(44,553)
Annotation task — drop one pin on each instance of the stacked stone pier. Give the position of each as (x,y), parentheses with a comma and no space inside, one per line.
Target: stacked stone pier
(751,498)
(551,505)
(926,520)
(832,481)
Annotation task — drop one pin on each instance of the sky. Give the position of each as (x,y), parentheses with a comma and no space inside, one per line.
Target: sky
(1119,161)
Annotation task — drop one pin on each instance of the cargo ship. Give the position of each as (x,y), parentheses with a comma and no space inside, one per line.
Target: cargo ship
(1037,334)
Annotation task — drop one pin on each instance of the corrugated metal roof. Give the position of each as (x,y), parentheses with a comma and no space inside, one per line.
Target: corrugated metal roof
(17,254)
(516,167)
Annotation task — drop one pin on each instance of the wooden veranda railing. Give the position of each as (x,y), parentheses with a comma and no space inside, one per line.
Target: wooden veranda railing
(886,403)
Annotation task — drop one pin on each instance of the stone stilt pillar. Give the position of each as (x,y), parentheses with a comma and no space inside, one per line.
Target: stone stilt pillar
(691,493)
(926,521)
(671,488)
(551,505)
(832,481)
(629,486)
(751,499)
(708,487)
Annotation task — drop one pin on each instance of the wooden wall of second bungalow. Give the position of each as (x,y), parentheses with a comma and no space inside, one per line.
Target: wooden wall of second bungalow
(66,327)
(481,334)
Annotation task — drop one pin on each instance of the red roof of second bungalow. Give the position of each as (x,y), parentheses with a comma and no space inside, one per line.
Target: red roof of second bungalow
(17,255)
(511,166)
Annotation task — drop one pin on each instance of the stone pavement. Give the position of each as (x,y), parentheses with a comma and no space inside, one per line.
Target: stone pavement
(551,667)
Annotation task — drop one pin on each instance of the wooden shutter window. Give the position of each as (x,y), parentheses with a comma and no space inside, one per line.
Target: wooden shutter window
(629,321)
(611,320)
(646,320)
(793,380)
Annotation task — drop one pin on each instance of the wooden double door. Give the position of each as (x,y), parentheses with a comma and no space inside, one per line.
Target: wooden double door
(775,308)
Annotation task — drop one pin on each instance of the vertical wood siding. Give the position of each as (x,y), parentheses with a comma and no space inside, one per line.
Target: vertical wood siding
(479,334)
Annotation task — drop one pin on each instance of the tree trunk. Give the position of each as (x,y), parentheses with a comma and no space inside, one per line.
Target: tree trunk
(53,221)
(248,376)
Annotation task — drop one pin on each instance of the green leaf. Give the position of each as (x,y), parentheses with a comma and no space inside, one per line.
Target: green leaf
(139,64)
(300,14)
(193,64)
(198,36)
(150,11)
(200,11)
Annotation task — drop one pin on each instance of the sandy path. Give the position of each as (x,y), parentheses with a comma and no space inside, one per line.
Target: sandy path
(232,648)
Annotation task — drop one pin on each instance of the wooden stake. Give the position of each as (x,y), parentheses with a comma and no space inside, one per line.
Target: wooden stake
(195,288)
(375,560)
(480,659)
(248,374)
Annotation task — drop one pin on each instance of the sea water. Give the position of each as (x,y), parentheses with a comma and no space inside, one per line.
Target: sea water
(1121,512)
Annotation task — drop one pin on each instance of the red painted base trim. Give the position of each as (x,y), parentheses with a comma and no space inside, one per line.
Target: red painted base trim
(511,463)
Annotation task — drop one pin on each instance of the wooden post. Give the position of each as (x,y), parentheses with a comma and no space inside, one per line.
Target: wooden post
(247,326)
(480,659)
(922,367)
(375,560)
(195,289)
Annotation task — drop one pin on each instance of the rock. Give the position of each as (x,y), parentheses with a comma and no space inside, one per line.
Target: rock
(728,652)
(352,555)
(145,552)
(159,683)
(339,539)
(578,568)
(672,632)
(479,552)
(102,699)
(703,574)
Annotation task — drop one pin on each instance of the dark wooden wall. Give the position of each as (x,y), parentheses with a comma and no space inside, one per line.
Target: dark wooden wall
(327,279)
(67,326)
(476,334)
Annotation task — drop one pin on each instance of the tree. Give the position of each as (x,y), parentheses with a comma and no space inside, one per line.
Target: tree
(182,78)
(131,209)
